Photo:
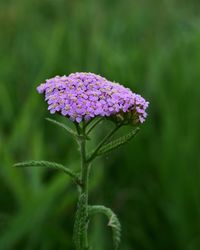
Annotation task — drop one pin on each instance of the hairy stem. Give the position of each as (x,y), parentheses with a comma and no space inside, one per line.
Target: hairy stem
(81,221)
(83,234)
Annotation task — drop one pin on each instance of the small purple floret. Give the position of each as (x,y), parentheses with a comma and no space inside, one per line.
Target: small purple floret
(83,96)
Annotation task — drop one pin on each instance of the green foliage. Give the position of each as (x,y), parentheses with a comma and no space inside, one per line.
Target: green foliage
(51,165)
(113,221)
(114,144)
(35,212)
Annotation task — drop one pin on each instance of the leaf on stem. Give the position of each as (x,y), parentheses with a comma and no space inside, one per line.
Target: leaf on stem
(113,222)
(62,125)
(51,165)
(117,142)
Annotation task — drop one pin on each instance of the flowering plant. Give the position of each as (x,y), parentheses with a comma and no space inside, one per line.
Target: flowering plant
(87,99)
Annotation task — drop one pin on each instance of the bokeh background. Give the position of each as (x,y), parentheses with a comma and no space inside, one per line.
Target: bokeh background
(153,183)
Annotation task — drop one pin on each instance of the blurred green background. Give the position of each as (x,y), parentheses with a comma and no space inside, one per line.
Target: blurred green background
(153,183)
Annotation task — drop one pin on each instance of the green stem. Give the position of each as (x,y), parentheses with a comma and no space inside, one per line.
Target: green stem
(105,139)
(94,125)
(84,184)
(81,222)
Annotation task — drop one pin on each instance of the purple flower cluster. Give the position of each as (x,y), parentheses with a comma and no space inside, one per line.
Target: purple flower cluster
(83,96)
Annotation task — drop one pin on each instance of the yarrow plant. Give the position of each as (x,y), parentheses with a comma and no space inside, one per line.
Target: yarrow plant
(87,99)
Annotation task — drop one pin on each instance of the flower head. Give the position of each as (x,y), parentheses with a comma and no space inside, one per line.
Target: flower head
(83,96)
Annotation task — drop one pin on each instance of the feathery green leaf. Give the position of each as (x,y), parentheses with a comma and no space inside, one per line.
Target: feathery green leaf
(51,165)
(113,221)
(117,142)
(62,125)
